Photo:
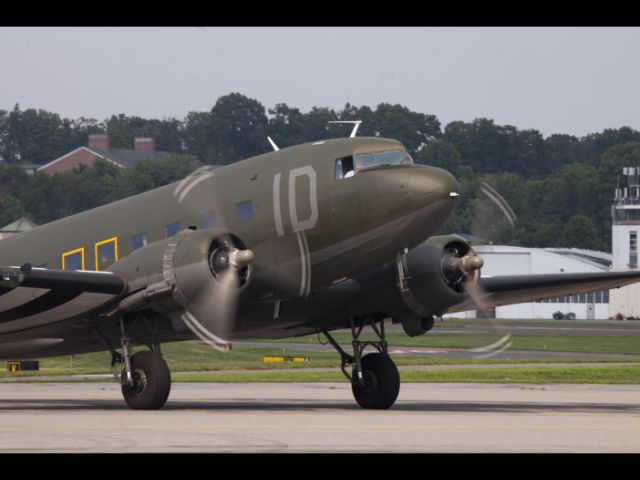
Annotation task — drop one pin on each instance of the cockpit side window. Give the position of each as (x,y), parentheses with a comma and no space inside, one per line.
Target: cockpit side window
(344,168)
(379,159)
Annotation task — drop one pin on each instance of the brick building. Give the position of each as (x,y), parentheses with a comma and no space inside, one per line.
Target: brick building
(98,147)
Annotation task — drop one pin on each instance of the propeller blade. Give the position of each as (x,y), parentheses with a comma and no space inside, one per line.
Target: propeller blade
(212,312)
(476,293)
(478,296)
(491,216)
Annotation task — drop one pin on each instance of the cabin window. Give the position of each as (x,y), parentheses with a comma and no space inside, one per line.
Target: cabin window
(244,210)
(207,220)
(344,168)
(73,260)
(382,159)
(172,229)
(139,240)
(106,253)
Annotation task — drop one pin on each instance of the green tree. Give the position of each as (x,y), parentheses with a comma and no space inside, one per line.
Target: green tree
(238,128)
(168,169)
(562,149)
(42,136)
(439,153)
(478,143)
(198,129)
(4,131)
(316,124)
(580,232)
(593,146)
(123,129)
(13,136)
(13,180)
(11,209)
(413,129)
(286,126)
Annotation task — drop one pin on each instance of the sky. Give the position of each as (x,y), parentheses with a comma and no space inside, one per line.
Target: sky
(556,80)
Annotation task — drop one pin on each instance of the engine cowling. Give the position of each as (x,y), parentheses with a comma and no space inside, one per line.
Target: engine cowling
(423,282)
(436,272)
(172,272)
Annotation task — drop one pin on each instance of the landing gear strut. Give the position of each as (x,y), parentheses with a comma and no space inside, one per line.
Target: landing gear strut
(145,378)
(375,381)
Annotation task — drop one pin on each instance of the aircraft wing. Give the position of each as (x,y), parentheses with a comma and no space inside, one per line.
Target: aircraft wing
(32,297)
(505,290)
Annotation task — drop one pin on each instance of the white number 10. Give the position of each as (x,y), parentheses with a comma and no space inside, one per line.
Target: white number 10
(297,225)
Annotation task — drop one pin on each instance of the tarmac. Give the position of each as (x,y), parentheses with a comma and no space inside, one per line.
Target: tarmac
(322,417)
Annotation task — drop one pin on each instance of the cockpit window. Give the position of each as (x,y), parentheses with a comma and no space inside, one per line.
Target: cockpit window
(344,168)
(379,159)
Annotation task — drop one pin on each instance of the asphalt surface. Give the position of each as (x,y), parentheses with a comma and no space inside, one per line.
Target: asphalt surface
(322,418)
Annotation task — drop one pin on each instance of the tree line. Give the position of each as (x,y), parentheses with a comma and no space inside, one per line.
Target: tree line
(559,186)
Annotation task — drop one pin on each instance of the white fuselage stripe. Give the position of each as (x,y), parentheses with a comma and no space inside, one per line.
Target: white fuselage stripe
(303,265)
(277,213)
(308,261)
(193,184)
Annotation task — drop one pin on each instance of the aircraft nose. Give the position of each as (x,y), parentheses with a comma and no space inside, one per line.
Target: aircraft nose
(431,184)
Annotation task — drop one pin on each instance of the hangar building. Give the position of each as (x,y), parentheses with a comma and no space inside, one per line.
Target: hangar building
(509,260)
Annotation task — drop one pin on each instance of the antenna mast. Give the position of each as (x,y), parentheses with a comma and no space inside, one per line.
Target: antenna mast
(356,124)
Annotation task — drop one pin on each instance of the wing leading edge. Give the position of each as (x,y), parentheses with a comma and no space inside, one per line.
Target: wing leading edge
(505,290)
(81,281)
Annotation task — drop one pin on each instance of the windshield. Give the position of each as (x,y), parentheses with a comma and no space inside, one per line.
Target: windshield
(377,159)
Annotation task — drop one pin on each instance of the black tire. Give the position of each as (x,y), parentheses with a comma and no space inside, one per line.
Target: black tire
(151,382)
(382,382)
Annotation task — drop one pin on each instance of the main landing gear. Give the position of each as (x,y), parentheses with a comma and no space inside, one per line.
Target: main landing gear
(144,377)
(375,381)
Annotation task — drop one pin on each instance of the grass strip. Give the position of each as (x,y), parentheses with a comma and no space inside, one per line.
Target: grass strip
(532,375)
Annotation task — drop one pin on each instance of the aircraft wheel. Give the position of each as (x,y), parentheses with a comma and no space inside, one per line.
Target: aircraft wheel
(382,382)
(151,382)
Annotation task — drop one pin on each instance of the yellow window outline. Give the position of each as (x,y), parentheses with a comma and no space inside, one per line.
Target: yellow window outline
(73,252)
(113,240)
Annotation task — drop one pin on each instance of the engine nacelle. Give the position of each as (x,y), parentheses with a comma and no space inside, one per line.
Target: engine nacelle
(421,283)
(171,272)
(434,276)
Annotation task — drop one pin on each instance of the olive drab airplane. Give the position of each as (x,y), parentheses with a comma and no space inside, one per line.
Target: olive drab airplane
(302,240)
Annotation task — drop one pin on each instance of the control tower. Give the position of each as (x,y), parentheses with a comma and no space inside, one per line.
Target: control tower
(625,226)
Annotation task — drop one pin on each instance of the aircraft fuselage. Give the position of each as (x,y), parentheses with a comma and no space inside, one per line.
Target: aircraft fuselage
(307,228)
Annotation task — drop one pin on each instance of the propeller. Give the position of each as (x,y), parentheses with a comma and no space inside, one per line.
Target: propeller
(283,263)
(492,214)
(211,313)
